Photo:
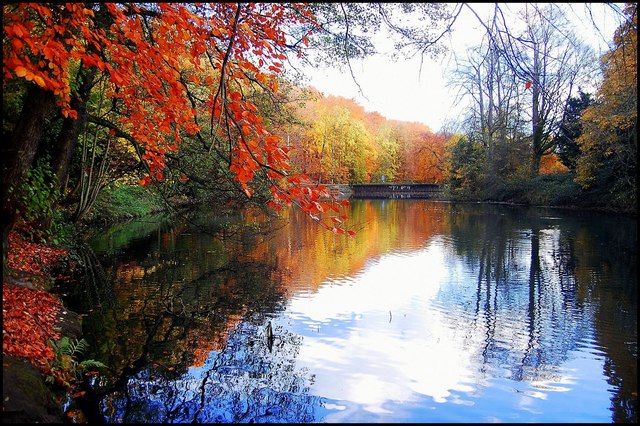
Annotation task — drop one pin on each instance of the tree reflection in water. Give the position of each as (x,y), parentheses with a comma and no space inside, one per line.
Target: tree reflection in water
(183,331)
(183,321)
(243,383)
(545,285)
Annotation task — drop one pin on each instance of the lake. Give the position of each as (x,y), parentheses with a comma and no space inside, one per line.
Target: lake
(433,312)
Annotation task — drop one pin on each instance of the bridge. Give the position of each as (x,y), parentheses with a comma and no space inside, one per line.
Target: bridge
(396,190)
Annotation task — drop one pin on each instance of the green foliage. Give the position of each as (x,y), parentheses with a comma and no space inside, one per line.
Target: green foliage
(118,202)
(472,177)
(37,200)
(66,368)
(464,165)
(570,130)
(36,193)
(197,175)
(554,190)
(498,189)
(66,346)
(12,98)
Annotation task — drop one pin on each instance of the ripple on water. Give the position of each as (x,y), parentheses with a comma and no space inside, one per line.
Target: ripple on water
(590,347)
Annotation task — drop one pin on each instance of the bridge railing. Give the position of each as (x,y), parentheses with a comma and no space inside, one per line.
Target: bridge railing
(396,190)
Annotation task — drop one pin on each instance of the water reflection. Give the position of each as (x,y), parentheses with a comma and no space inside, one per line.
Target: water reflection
(379,333)
(242,382)
(434,312)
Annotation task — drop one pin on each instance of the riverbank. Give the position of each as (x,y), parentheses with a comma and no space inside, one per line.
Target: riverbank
(551,190)
(26,396)
(32,391)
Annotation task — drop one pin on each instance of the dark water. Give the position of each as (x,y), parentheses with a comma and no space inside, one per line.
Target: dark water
(434,312)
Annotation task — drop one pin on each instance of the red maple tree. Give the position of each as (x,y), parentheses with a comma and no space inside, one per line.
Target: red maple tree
(164,66)
(159,59)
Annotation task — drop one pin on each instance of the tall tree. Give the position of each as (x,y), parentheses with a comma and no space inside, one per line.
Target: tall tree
(609,141)
(463,162)
(341,142)
(495,114)
(428,157)
(552,60)
(388,143)
(547,59)
(153,56)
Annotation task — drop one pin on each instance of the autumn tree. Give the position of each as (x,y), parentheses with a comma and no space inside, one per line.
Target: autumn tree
(551,164)
(305,156)
(341,143)
(550,58)
(419,153)
(609,140)
(388,142)
(154,58)
(425,162)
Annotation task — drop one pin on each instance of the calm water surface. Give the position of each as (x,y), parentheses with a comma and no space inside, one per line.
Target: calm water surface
(434,312)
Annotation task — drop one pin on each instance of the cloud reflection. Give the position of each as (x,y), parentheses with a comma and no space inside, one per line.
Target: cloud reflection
(380,331)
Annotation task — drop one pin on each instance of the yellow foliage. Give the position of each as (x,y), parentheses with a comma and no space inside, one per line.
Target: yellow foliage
(610,125)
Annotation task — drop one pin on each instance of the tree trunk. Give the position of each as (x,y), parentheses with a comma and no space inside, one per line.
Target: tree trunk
(19,154)
(65,144)
(68,137)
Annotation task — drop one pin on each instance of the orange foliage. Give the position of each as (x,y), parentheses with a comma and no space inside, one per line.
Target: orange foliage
(423,158)
(155,57)
(419,155)
(356,111)
(29,316)
(551,164)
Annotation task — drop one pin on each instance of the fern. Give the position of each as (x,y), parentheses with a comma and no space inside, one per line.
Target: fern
(65,367)
(80,346)
(67,346)
(92,363)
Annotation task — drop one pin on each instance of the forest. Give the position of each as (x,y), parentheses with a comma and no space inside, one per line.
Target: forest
(117,110)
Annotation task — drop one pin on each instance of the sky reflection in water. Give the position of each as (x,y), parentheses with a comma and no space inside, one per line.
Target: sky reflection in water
(383,348)
(432,313)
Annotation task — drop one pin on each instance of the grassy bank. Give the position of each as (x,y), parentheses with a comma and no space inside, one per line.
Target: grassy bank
(124,202)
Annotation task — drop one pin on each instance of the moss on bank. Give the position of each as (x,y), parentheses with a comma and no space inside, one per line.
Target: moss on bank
(119,203)
(25,395)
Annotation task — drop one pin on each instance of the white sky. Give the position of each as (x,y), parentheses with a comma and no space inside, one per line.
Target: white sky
(398,90)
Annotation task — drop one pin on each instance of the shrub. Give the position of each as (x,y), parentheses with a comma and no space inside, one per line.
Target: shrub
(39,216)
(555,190)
